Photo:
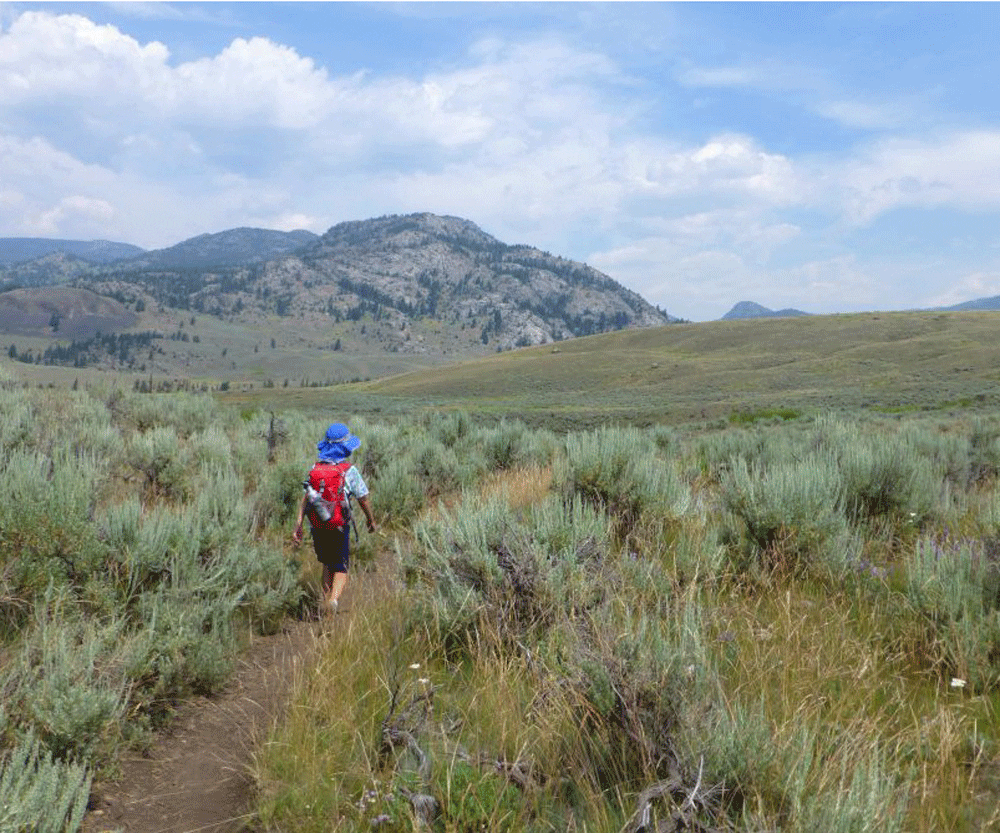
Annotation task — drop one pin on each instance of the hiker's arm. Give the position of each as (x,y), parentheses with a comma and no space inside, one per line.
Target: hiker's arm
(297,534)
(366,507)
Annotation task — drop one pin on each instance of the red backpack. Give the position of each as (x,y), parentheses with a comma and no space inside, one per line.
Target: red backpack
(327,479)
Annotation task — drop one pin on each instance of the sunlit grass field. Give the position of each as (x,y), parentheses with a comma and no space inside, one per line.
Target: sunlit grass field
(882,362)
(740,576)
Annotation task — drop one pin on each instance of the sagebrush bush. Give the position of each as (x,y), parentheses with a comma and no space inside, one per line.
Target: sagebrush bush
(40,794)
(716,452)
(157,456)
(220,512)
(380,446)
(521,571)
(954,587)
(733,748)
(278,494)
(617,470)
(504,446)
(120,594)
(868,799)
(64,682)
(211,448)
(46,528)
(788,513)
(641,678)
(187,645)
(249,454)
(260,580)
(16,421)
(185,413)
(448,427)
(984,452)
(398,492)
(439,469)
(887,479)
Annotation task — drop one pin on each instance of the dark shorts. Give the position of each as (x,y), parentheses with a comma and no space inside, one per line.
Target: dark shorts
(332,548)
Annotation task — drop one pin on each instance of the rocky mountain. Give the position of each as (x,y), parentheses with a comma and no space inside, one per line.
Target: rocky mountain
(22,249)
(371,297)
(464,289)
(235,247)
(748,309)
(449,269)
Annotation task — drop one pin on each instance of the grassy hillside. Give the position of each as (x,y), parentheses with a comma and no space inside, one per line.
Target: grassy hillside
(893,362)
(206,350)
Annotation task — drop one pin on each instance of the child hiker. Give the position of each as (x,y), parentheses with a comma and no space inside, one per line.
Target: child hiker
(332,481)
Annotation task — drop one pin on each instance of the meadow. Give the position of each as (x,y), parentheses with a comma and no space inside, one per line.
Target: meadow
(896,363)
(775,611)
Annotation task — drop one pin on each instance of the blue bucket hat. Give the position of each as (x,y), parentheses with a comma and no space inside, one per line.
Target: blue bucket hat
(337,444)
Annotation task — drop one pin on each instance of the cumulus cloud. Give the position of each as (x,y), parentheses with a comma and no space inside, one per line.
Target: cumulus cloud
(726,163)
(91,211)
(68,59)
(49,193)
(958,170)
(252,80)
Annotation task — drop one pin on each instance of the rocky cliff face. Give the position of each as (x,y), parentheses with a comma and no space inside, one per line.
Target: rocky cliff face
(446,268)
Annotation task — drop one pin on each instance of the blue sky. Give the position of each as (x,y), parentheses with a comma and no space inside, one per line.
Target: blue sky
(832,157)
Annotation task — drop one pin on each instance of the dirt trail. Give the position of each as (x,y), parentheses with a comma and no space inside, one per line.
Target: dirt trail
(196,776)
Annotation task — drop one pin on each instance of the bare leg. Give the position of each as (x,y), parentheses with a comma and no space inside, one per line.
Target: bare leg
(333,587)
(337,586)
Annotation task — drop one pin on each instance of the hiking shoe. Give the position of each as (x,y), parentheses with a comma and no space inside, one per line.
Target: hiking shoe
(332,605)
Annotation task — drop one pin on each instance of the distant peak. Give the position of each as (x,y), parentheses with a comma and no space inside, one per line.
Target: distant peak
(750,309)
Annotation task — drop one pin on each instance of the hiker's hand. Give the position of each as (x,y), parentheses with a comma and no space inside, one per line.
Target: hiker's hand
(371,525)
(297,534)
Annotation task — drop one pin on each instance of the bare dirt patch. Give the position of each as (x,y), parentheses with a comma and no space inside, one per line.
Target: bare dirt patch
(196,776)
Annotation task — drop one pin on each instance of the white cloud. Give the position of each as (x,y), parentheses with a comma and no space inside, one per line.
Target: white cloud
(69,59)
(958,170)
(966,288)
(698,266)
(726,163)
(837,282)
(684,280)
(90,211)
(255,80)
(42,177)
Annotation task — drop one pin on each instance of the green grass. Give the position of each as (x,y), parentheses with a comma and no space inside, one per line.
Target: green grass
(884,363)
(895,363)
